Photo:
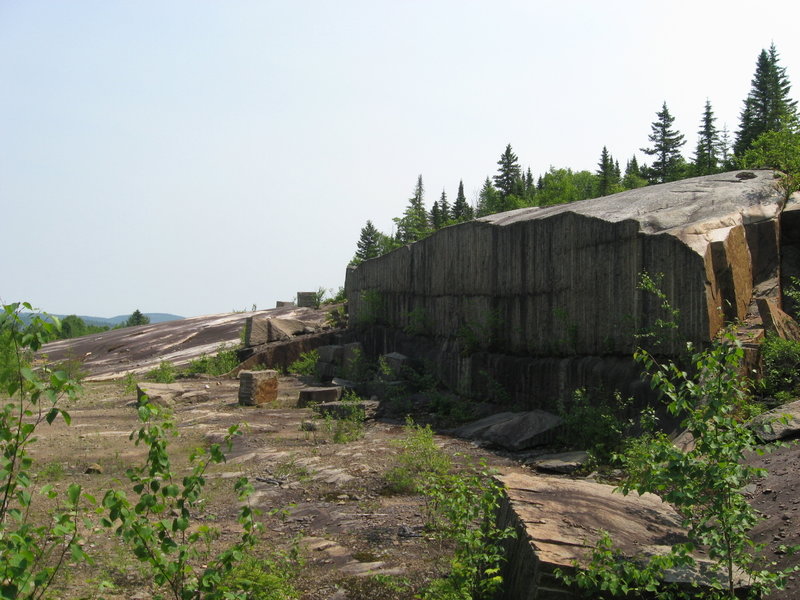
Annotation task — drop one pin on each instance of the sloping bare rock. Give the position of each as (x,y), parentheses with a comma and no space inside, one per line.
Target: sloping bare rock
(780,423)
(777,321)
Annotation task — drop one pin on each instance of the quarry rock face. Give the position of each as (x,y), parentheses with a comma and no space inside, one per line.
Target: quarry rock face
(563,282)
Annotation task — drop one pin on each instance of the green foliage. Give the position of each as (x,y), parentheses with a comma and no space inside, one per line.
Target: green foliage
(508,173)
(608,175)
(224,361)
(373,308)
(73,367)
(73,326)
(163,373)
(31,555)
(781,366)
(418,322)
(419,460)
(707,151)
(462,507)
(356,367)
(665,325)
(704,483)
(668,164)
(777,150)
(137,318)
(306,364)
(347,425)
(269,578)
(368,245)
(413,225)
(595,422)
(157,524)
(128,383)
(768,107)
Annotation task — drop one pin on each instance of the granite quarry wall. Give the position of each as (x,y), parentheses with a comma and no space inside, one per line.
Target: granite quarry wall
(539,301)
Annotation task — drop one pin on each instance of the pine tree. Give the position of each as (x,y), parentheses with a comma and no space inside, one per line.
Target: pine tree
(606,174)
(368,245)
(488,199)
(633,175)
(725,148)
(667,142)
(706,155)
(767,106)
(436,216)
(137,318)
(508,173)
(462,211)
(413,225)
(444,205)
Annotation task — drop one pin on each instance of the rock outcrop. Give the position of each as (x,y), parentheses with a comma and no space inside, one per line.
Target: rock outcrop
(562,282)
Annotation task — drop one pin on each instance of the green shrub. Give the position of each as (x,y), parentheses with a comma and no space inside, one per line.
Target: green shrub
(306,364)
(163,373)
(348,425)
(781,361)
(419,459)
(270,578)
(595,422)
(32,555)
(224,361)
(463,507)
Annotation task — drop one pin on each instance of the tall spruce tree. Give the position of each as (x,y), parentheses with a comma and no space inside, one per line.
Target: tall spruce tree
(413,225)
(508,173)
(607,174)
(489,199)
(436,219)
(462,211)
(368,245)
(768,106)
(444,205)
(706,155)
(667,142)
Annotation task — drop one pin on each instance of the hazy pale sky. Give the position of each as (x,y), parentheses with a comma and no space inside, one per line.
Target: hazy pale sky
(200,156)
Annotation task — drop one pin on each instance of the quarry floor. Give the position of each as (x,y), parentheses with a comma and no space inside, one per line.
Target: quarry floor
(329,499)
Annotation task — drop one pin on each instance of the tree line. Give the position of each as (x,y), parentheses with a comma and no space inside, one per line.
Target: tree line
(768,136)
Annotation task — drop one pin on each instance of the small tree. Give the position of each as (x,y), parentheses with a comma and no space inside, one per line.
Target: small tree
(461,211)
(707,152)
(667,142)
(369,244)
(31,555)
(137,318)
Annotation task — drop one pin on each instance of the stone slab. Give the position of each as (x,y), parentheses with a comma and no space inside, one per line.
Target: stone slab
(258,387)
(779,424)
(311,396)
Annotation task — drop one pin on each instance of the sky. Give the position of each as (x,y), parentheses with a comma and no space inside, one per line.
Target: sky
(196,157)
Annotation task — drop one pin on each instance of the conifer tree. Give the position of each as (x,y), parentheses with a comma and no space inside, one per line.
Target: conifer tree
(667,142)
(462,211)
(368,245)
(607,174)
(488,199)
(633,175)
(706,155)
(768,106)
(436,216)
(444,205)
(508,173)
(413,225)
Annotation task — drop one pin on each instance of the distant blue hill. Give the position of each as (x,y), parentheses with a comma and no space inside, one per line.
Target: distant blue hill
(112,321)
